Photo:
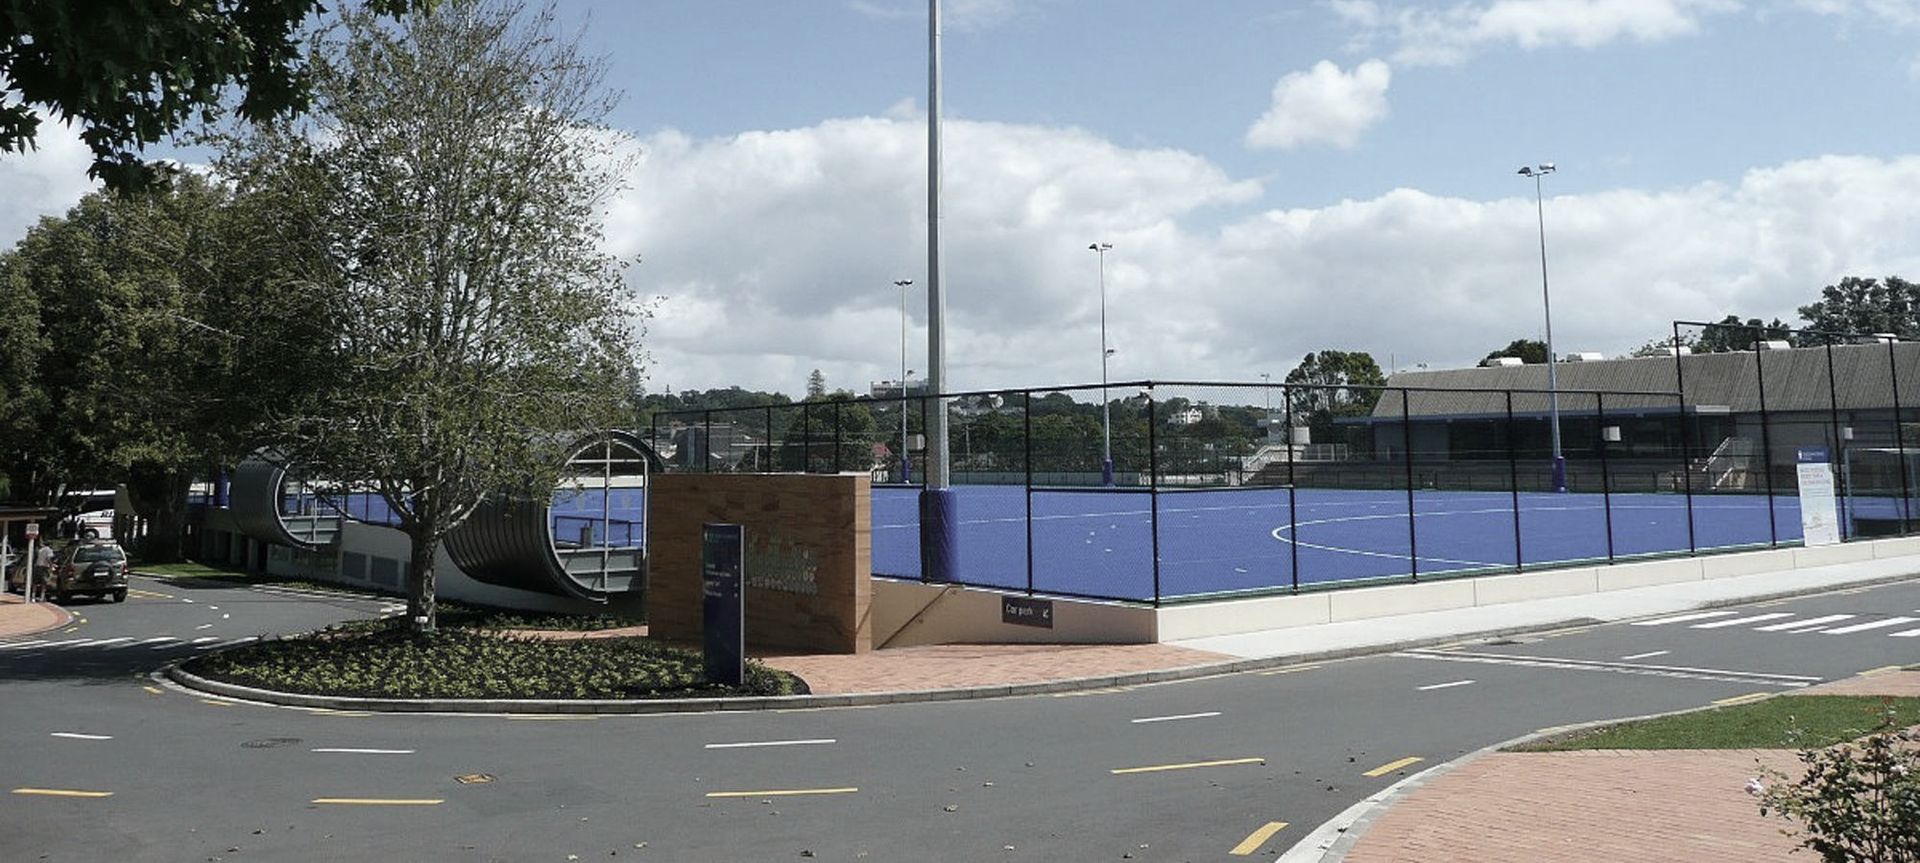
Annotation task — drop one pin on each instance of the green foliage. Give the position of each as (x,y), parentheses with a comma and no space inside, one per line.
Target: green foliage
(1331,384)
(1799,720)
(1733,334)
(1857,802)
(131,72)
(378,659)
(1866,306)
(816,385)
(832,433)
(1530,351)
(443,215)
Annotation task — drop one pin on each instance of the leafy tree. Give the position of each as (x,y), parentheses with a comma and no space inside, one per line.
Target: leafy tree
(131,72)
(1336,383)
(1857,305)
(452,172)
(1733,334)
(832,433)
(1530,351)
(816,385)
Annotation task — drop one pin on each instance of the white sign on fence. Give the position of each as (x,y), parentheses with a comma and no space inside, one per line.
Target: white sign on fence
(1819,518)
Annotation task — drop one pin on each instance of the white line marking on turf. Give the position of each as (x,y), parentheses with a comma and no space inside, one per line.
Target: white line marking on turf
(73,735)
(1648,655)
(1876,624)
(819,741)
(1741,621)
(1698,615)
(1796,624)
(1445,685)
(1146,719)
(346,751)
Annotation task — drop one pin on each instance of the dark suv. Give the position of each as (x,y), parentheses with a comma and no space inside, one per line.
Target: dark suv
(96,567)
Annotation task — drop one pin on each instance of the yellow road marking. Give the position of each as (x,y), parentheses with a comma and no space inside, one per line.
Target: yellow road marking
(1108,691)
(377,801)
(61,792)
(149,594)
(786,792)
(72,629)
(1288,670)
(1748,698)
(1391,766)
(153,689)
(216,703)
(1157,768)
(1258,838)
(1881,670)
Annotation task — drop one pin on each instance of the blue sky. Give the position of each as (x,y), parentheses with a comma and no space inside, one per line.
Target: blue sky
(1276,177)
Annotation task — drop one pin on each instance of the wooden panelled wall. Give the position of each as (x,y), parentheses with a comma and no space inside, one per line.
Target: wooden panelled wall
(809,561)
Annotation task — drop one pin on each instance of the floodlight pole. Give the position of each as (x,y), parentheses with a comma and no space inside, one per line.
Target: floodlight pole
(1546,304)
(1106,421)
(906,468)
(939,558)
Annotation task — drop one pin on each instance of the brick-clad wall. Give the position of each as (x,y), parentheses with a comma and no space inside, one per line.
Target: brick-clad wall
(809,563)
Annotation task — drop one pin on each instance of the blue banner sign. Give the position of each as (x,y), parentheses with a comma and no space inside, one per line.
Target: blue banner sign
(723,602)
(1814,455)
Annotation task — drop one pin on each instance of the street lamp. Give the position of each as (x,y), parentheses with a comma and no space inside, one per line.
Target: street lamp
(1546,303)
(1106,423)
(906,469)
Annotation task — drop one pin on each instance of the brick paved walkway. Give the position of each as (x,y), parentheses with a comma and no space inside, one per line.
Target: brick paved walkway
(951,666)
(18,618)
(1526,807)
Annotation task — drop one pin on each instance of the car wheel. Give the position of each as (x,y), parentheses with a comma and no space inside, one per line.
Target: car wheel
(120,595)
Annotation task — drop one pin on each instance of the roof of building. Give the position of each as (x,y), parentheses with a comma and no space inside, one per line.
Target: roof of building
(1796,380)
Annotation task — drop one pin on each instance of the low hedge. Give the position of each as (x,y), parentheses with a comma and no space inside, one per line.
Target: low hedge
(381,659)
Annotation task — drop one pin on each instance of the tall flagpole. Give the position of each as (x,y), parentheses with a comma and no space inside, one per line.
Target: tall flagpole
(939,559)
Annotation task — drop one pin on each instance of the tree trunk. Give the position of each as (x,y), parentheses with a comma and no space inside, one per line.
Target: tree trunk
(422,608)
(161,498)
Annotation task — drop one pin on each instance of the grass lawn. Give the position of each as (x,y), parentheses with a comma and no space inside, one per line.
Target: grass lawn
(191,569)
(380,659)
(1786,722)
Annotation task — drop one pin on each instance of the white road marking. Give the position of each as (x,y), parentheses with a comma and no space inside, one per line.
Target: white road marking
(1698,615)
(187,601)
(1648,655)
(159,639)
(226,616)
(1444,685)
(204,626)
(50,643)
(162,644)
(106,641)
(1796,624)
(228,643)
(346,751)
(819,741)
(1146,719)
(1679,671)
(1875,624)
(73,735)
(1742,621)
(204,639)
(1911,633)
(16,645)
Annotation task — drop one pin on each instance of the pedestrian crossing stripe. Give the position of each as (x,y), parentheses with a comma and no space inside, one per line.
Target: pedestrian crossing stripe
(164,642)
(1791,624)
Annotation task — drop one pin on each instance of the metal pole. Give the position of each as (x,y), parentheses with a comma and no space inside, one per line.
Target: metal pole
(1406,441)
(1026,441)
(1546,303)
(1513,485)
(1153,492)
(1106,423)
(1899,440)
(906,467)
(1686,448)
(1766,435)
(837,426)
(706,442)
(1606,482)
(806,437)
(1833,418)
(1293,500)
(939,556)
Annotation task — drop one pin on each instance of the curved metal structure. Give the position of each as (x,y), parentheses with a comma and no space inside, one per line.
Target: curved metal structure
(587,542)
(272,505)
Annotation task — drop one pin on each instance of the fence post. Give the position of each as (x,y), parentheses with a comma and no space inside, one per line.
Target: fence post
(1686,448)
(767,465)
(1899,440)
(1513,484)
(806,437)
(1606,480)
(1834,456)
(706,442)
(1026,443)
(1766,435)
(1406,438)
(836,435)
(1153,488)
(1293,498)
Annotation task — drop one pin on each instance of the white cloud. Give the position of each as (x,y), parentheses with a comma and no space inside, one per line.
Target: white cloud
(1897,13)
(777,251)
(1323,105)
(46,181)
(1426,35)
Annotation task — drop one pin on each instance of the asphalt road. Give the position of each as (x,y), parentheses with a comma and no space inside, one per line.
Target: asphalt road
(1197,770)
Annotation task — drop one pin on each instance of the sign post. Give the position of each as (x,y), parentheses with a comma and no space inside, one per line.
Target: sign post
(1819,520)
(33,555)
(723,602)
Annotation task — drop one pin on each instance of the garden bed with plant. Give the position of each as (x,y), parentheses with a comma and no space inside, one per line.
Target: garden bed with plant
(379,659)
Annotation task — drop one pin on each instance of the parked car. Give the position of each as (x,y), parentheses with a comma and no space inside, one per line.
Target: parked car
(94,567)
